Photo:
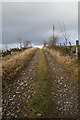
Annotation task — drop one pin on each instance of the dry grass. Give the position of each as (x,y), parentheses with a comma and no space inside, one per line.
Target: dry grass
(13,54)
(69,63)
(11,66)
(0,66)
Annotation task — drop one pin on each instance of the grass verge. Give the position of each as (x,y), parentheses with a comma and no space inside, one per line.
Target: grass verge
(12,66)
(71,64)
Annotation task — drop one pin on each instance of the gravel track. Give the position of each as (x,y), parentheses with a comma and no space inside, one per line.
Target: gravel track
(20,91)
(64,97)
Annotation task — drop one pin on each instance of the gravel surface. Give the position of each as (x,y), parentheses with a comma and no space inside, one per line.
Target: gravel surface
(19,92)
(64,93)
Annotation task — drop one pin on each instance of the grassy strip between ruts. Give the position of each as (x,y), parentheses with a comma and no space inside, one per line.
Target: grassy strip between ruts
(40,102)
(11,67)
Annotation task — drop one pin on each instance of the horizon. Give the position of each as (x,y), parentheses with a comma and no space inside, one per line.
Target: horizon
(34,22)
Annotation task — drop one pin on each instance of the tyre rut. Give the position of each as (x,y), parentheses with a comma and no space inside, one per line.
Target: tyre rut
(64,98)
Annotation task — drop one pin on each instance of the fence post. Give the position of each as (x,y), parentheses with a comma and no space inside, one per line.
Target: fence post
(70,44)
(70,48)
(77,48)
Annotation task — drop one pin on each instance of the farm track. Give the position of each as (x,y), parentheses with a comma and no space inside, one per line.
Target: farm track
(64,95)
(20,91)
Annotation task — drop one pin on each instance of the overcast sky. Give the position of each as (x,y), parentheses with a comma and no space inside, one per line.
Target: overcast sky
(33,21)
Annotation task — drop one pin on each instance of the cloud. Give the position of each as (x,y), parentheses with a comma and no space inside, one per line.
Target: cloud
(33,21)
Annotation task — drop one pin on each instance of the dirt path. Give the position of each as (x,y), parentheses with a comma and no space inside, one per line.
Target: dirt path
(17,95)
(43,89)
(64,91)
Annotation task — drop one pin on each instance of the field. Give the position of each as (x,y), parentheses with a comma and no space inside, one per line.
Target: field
(41,83)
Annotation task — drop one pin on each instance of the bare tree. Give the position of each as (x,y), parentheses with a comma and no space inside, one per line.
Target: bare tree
(65,33)
(19,41)
(53,40)
(44,43)
(26,43)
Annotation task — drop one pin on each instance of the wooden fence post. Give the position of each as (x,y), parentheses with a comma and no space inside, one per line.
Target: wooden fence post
(77,48)
(70,47)
(70,44)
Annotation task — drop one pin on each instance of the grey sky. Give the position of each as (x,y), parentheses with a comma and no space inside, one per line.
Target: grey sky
(33,21)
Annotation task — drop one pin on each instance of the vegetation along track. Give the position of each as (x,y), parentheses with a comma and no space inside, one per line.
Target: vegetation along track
(28,95)
(64,91)
(18,94)
(43,89)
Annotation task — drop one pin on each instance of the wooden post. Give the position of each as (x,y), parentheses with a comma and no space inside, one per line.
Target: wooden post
(70,44)
(70,48)
(77,48)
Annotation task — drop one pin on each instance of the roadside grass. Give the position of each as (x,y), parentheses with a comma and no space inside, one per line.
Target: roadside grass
(12,66)
(79,75)
(39,103)
(13,54)
(72,65)
(0,66)
(69,63)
